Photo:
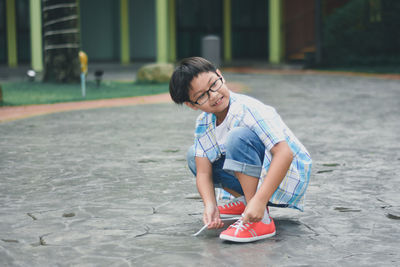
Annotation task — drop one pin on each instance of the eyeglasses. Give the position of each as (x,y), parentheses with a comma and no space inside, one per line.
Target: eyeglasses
(203,98)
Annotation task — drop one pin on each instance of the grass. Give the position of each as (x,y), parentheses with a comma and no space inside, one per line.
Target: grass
(29,93)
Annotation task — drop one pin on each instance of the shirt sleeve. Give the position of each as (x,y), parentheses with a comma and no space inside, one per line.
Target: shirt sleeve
(267,127)
(200,130)
(198,149)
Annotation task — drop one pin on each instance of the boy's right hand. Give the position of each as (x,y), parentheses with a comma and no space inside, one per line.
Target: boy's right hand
(211,217)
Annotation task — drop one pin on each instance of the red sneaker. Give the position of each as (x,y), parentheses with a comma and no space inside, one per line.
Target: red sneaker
(248,232)
(232,209)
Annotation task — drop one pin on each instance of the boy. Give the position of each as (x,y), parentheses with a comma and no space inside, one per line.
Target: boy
(243,145)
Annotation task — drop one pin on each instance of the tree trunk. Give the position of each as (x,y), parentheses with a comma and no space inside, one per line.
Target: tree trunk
(61,40)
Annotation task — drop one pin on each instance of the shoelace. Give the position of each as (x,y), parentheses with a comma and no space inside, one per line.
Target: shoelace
(206,225)
(240,226)
(231,203)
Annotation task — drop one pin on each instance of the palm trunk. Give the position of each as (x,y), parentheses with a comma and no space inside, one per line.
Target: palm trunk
(61,40)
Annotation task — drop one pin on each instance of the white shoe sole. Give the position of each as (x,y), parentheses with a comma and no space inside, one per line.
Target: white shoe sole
(230,216)
(245,240)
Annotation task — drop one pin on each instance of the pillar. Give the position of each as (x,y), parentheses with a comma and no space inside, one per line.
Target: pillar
(125,47)
(172,30)
(11,33)
(227,7)
(276,46)
(36,35)
(162,30)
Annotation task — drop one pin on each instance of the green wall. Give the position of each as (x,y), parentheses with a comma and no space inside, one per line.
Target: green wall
(142,29)
(250,29)
(249,26)
(23,31)
(100,29)
(196,19)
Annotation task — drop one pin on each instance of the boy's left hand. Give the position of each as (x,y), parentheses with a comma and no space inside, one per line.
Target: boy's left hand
(254,211)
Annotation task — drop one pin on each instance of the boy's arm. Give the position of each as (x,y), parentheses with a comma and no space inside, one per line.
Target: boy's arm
(205,187)
(282,157)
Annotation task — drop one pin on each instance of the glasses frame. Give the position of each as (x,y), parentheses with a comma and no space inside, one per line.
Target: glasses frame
(208,91)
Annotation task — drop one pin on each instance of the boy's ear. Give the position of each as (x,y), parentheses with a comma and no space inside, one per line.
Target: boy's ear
(191,105)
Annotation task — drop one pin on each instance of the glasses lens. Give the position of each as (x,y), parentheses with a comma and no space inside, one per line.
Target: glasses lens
(217,85)
(202,99)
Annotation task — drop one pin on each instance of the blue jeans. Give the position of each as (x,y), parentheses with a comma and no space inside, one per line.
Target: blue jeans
(244,154)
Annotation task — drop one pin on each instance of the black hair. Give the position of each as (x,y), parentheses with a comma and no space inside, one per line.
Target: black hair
(188,68)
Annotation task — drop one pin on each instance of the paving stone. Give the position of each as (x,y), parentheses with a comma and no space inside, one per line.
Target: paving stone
(110,187)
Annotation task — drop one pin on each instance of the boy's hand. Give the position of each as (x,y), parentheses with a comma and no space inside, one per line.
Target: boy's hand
(211,217)
(254,211)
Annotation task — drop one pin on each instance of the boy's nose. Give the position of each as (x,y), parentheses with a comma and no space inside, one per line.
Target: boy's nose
(213,94)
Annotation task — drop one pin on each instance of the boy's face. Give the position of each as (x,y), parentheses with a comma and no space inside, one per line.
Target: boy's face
(217,102)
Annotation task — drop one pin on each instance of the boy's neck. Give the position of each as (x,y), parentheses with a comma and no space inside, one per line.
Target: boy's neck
(221,116)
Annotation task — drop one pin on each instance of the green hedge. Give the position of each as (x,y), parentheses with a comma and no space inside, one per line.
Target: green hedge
(362,33)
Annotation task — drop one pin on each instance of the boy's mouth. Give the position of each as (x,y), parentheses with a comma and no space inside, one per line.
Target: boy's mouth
(219,101)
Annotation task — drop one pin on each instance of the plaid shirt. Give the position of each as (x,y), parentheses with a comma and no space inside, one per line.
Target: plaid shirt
(245,111)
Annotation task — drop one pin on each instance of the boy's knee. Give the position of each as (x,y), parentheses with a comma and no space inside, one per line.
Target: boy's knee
(190,157)
(240,136)
(243,141)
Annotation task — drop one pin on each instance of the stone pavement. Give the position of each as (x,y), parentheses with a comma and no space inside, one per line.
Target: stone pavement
(110,186)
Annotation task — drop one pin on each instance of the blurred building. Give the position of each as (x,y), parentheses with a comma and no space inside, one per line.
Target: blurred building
(127,31)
